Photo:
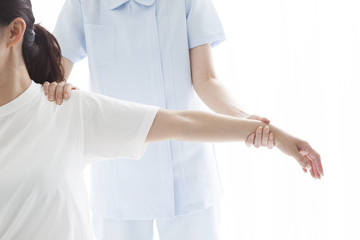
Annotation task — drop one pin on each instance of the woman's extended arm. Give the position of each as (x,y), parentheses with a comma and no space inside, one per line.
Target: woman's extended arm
(207,127)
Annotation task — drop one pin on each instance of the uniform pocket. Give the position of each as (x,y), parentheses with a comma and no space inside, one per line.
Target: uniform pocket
(101,44)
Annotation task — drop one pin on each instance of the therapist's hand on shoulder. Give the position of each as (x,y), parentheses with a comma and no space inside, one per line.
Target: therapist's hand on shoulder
(58,92)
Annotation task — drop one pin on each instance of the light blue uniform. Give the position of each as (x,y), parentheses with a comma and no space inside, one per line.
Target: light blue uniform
(138,50)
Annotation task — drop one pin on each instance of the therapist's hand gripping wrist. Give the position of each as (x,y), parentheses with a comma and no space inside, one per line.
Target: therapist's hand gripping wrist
(262,137)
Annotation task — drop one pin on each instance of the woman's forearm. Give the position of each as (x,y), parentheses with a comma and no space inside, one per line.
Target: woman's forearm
(202,127)
(208,127)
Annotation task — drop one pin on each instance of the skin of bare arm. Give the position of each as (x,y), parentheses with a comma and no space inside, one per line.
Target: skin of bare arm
(67,67)
(207,127)
(56,92)
(179,121)
(206,84)
(210,89)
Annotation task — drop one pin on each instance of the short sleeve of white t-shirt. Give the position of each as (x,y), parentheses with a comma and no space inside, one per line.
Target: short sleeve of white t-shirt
(42,152)
(114,128)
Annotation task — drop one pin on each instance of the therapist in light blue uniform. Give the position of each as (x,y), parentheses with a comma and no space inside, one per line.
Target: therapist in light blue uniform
(141,51)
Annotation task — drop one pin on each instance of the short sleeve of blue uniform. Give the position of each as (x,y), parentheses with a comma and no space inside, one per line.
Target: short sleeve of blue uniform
(69,31)
(203,23)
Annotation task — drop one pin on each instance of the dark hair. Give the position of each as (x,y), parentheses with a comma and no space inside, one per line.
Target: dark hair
(41,51)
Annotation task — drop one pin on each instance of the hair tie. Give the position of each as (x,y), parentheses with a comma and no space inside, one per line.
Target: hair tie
(29,39)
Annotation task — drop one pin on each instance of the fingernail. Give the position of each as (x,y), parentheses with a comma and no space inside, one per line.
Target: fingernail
(51,98)
(58,101)
(267,129)
(66,96)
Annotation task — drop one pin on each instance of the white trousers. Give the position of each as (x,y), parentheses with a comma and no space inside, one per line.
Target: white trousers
(203,225)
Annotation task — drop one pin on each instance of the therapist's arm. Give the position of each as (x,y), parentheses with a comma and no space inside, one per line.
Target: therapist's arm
(208,87)
(67,67)
(207,127)
(60,91)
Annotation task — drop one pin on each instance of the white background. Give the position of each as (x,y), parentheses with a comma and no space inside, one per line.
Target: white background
(297,63)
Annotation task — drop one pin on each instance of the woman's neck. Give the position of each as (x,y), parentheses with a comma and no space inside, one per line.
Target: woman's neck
(14,80)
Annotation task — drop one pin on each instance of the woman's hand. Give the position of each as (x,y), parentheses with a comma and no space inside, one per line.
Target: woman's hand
(306,156)
(58,91)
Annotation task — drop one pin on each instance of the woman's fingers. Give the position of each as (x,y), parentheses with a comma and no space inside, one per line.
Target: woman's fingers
(317,166)
(302,152)
(312,170)
(314,161)
(306,150)
(317,160)
(301,159)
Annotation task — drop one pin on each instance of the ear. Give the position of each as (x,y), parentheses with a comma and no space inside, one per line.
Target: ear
(16,32)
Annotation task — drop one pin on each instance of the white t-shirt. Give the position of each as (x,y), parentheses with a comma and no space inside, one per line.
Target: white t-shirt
(43,150)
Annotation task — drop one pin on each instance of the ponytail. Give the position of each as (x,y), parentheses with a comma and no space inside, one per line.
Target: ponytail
(41,51)
(42,55)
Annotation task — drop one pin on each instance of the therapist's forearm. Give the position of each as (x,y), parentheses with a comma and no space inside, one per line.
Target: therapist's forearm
(208,87)
(215,95)
(201,127)
(67,66)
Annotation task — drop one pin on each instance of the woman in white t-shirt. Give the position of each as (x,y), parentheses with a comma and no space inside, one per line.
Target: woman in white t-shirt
(44,147)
